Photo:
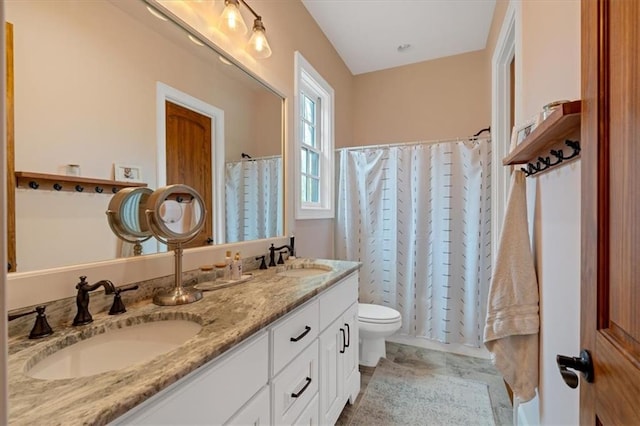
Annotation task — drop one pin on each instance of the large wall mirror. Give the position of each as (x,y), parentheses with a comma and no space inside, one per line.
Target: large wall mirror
(108,86)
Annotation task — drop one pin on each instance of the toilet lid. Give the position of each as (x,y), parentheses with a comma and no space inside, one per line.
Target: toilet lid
(377,313)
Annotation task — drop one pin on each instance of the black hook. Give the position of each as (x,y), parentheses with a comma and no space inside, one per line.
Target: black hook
(99,189)
(544,163)
(114,190)
(33,184)
(79,188)
(57,186)
(576,148)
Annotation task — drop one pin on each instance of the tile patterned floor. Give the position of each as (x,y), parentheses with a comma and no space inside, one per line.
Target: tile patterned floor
(446,364)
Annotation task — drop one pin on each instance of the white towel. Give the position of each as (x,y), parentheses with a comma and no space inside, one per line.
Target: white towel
(513,323)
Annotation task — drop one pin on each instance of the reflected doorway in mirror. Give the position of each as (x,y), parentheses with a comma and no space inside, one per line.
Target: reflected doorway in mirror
(127,173)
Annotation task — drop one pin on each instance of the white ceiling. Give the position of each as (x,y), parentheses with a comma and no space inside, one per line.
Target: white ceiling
(366,33)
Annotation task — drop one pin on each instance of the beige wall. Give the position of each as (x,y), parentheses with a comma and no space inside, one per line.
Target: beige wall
(290,28)
(549,68)
(443,98)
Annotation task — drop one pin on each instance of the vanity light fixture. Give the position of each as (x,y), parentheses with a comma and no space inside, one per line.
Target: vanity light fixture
(258,44)
(231,22)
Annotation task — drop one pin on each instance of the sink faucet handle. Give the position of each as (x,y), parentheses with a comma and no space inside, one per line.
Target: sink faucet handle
(118,306)
(280,260)
(263,264)
(41,328)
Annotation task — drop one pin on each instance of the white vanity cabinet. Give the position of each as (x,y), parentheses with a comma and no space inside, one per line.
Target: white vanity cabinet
(340,378)
(213,393)
(301,369)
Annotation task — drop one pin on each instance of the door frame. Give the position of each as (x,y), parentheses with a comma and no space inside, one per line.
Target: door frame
(504,52)
(167,93)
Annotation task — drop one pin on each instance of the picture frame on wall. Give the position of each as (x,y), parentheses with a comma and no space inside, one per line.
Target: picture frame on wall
(127,173)
(521,131)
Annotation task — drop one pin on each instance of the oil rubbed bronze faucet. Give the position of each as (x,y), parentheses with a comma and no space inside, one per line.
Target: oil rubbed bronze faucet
(82,299)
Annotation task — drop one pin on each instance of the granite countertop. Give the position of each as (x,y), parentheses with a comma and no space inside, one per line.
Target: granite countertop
(227,315)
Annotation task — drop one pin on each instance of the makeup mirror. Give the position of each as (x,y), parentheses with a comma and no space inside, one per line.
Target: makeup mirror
(127,217)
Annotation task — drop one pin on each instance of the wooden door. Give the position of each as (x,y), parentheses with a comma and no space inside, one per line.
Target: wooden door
(610,293)
(188,151)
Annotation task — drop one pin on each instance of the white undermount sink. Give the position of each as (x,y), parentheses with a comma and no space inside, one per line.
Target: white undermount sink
(115,349)
(306,271)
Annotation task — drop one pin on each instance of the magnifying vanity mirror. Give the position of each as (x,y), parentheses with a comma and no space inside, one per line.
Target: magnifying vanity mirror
(127,217)
(113,88)
(174,214)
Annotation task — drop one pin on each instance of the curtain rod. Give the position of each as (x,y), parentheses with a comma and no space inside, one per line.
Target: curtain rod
(431,142)
(268,157)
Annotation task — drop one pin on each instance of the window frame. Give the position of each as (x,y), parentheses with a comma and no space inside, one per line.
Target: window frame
(309,81)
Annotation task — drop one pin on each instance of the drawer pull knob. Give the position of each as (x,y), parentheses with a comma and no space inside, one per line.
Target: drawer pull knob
(344,341)
(304,388)
(307,329)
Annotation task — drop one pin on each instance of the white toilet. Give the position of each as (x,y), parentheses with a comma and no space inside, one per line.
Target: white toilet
(375,323)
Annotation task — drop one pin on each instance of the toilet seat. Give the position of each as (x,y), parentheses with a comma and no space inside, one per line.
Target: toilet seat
(376,314)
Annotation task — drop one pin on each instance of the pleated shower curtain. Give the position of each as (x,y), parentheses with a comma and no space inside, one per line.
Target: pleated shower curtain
(253,199)
(418,218)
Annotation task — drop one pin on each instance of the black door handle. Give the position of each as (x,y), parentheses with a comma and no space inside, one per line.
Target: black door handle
(304,388)
(307,329)
(344,341)
(582,364)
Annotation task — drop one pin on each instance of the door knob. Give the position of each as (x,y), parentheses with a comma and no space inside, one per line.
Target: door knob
(582,364)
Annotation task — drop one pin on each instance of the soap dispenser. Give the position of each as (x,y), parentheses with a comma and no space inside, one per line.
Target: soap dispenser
(236,269)
(228,266)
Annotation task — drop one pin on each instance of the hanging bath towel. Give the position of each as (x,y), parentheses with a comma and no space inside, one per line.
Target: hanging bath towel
(513,323)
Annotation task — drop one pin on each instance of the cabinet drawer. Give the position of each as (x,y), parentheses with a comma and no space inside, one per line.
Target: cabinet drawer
(293,334)
(337,299)
(212,393)
(256,412)
(309,416)
(296,386)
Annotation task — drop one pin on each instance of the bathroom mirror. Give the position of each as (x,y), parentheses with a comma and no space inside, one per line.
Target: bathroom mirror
(176,216)
(87,78)
(127,218)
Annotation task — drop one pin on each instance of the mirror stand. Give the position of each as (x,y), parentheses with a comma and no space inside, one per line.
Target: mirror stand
(179,295)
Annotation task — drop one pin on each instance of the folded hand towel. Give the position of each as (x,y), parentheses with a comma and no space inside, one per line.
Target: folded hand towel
(513,323)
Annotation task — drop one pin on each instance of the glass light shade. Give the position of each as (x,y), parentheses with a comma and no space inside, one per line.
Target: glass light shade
(231,21)
(258,44)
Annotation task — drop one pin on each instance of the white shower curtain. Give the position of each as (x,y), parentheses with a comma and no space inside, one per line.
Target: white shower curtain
(253,199)
(418,218)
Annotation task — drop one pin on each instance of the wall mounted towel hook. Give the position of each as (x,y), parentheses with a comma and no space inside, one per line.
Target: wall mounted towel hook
(545,163)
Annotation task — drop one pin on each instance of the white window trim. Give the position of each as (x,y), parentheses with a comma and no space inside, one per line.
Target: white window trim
(305,74)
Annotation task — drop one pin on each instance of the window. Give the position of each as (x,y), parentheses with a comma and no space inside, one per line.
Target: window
(314,113)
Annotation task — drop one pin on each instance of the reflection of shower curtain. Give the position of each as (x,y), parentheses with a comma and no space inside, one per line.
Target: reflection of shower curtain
(253,199)
(418,218)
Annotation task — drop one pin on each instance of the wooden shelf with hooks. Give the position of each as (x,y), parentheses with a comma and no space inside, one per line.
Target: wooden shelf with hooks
(562,124)
(67,183)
